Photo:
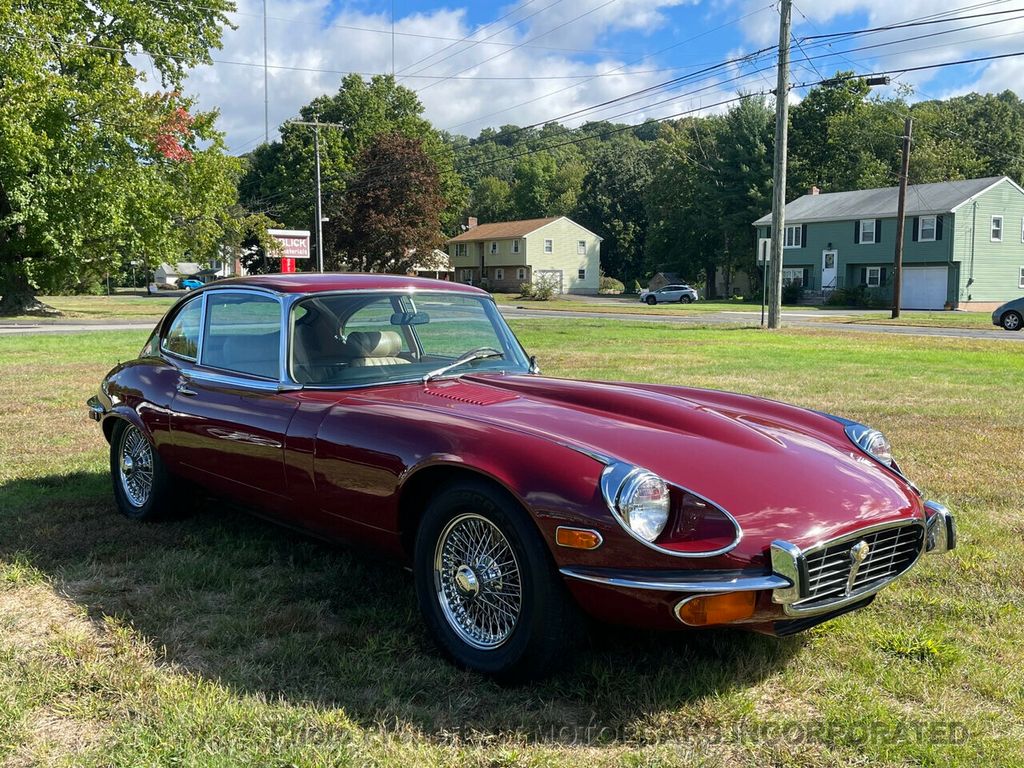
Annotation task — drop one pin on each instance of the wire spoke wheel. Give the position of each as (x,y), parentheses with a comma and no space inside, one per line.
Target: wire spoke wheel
(478,581)
(135,465)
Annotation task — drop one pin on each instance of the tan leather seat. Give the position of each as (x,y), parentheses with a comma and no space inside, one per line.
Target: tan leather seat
(369,348)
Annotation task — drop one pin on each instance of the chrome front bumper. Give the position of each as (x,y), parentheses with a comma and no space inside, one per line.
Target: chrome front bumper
(788,581)
(96,409)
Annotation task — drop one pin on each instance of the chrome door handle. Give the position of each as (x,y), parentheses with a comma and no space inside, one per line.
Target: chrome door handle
(184,390)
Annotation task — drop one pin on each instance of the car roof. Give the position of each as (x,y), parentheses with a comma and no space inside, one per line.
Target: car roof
(314,282)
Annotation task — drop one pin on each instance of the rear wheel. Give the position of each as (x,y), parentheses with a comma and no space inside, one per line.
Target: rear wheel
(652,300)
(141,483)
(1012,321)
(486,586)
(685,298)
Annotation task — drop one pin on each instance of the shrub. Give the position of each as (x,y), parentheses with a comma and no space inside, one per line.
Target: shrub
(791,293)
(611,285)
(543,288)
(526,290)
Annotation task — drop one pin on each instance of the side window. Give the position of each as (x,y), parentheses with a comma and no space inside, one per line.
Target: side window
(182,338)
(243,334)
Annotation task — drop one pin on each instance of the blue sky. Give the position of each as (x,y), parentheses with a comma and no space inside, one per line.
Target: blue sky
(472,68)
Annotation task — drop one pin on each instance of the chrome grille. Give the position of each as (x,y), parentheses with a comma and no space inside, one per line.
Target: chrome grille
(890,552)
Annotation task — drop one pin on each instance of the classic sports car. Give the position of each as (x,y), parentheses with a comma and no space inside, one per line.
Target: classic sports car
(402,414)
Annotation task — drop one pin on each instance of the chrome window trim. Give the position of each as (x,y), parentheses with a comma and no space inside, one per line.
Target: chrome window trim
(238,376)
(212,377)
(692,582)
(289,300)
(799,556)
(614,478)
(171,316)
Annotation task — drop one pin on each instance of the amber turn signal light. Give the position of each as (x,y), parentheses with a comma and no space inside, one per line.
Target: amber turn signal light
(577,538)
(716,609)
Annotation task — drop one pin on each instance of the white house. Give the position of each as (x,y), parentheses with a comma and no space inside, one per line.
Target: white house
(503,255)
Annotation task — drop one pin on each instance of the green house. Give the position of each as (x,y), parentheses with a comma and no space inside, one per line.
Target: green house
(963,243)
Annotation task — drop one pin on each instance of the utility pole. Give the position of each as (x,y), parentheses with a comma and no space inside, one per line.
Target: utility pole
(266,81)
(779,186)
(901,209)
(316,125)
(319,203)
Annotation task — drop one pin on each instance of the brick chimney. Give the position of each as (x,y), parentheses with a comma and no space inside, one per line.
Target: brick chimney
(815,191)
(468,222)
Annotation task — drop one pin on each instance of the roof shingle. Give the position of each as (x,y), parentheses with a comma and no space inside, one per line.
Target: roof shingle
(502,230)
(924,199)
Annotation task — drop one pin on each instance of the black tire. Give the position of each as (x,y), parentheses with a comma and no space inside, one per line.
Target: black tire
(1012,321)
(686,299)
(651,300)
(158,502)
(548,621)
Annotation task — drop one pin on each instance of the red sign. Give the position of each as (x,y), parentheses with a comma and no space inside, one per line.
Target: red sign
(294,244)
(287,266)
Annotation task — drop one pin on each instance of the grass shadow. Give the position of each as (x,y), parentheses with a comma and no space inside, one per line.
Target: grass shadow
(264,610)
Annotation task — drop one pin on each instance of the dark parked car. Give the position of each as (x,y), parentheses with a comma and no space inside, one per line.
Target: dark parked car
(402,414)
(1010,315)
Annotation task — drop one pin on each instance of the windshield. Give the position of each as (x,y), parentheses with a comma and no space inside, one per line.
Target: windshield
(354,339)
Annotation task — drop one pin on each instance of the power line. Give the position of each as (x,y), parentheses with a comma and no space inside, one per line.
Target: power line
(617,69)
(536,37)
(474,42)
(907,24)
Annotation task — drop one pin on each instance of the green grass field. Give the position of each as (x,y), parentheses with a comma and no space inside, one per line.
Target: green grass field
(218,640)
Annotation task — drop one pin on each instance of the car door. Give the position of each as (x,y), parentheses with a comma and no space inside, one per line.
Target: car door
(229,420)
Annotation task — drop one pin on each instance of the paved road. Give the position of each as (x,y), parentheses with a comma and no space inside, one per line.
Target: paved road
(790,319)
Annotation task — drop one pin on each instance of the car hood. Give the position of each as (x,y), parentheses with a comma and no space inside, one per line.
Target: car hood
(782,471)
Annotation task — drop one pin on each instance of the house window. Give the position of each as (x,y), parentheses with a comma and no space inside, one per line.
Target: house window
(466,276)
(582,274)
(793,277)
(794,237)
(1020,279)
(867,231)
(515,246)
(874,277)
(549,246)
(499,274)
(494,246)
(997,229)
(581,247)
(926,229)
(460,249)
(521,272)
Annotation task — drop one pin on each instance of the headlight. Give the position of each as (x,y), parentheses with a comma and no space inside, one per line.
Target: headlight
(644,504)
(872,442)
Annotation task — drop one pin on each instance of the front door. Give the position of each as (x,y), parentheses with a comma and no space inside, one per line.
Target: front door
(828,270)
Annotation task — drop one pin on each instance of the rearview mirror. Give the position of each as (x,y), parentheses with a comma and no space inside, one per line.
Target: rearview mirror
(410,318)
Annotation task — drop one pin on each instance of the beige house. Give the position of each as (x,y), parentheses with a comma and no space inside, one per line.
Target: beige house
(504,255)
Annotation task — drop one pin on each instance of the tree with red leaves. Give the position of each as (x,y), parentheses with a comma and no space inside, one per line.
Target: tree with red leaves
(390,216)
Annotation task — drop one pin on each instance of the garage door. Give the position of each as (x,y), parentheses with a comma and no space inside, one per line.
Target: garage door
(924,287)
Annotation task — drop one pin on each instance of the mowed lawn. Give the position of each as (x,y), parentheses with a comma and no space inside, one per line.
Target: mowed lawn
(220,640)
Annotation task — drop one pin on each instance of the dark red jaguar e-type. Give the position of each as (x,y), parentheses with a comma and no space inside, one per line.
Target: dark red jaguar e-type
(403,415)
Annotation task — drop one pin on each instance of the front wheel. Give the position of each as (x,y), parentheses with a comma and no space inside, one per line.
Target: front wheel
(141,483)
(1012,321)
(651,300)
(486,586)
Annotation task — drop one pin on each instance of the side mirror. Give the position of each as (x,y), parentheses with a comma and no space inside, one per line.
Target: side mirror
(534,368)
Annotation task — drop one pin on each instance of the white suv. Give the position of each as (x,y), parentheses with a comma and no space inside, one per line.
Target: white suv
(681,293)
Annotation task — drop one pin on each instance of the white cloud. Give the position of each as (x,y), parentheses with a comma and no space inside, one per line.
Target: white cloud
(312,35)
(905,48)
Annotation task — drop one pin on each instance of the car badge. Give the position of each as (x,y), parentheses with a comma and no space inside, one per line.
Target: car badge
(858,554)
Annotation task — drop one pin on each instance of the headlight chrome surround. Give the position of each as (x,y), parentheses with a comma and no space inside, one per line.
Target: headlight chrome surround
(873,443)
(620,482)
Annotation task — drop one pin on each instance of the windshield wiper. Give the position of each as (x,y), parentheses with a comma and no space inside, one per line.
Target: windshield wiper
(467,357)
